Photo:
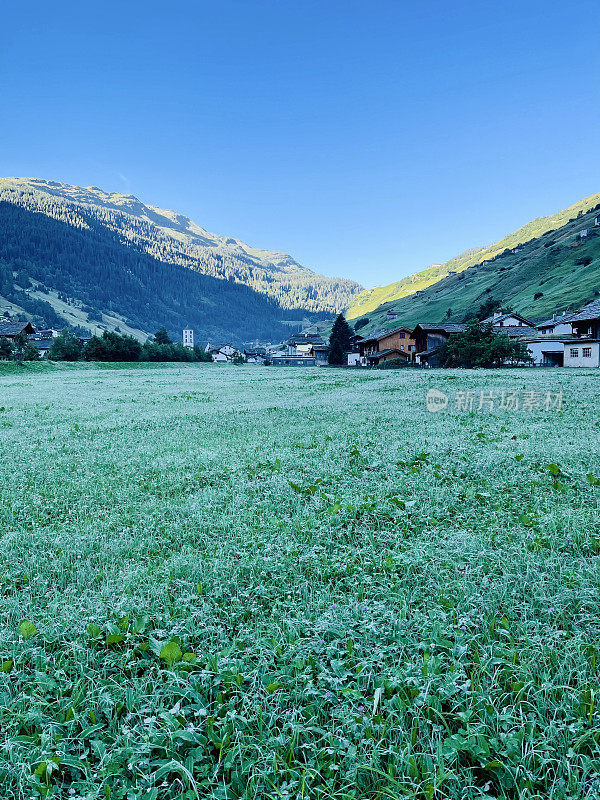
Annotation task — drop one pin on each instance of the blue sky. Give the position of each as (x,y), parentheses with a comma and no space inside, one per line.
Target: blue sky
(367,139)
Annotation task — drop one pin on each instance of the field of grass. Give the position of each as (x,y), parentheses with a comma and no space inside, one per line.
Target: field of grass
(222,582)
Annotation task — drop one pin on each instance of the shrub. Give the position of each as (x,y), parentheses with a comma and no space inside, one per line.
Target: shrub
(6,349)
(481,346)
(66,347)
(393,363)
(112,347)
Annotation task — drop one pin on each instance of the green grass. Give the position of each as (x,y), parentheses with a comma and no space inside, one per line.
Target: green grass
(222,582)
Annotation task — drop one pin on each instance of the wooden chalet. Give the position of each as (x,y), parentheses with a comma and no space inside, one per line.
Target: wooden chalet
(428,336)
(10,330)
(386,346)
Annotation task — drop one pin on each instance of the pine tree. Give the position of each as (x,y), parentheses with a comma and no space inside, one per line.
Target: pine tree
(342,334)
(162,337)
(336,354)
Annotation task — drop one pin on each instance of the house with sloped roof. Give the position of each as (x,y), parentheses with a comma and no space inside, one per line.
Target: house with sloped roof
(583,349)
(556,325)
(302,343)
(10,330)
(386,345)
(428,336)
(508,320)
(570,340)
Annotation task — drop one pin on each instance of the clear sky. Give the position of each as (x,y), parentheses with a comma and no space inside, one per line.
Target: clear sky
(368,139)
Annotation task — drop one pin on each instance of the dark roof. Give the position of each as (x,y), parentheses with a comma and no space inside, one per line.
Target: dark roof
(558,319)
(383,334)
(42,344)
(502,317)
(444,327)
(591,311)
(376,356)
(514,331)
(305,338)
(392,350)
(289,357)
(15,328)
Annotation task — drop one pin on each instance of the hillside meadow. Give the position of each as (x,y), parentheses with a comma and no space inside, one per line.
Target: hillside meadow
(245,582)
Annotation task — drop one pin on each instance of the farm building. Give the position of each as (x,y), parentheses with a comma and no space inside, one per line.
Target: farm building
(580,353)
(221,352)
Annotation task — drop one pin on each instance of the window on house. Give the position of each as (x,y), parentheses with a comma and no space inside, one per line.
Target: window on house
(401,347)
(587,352)
(574,352)
(402,335)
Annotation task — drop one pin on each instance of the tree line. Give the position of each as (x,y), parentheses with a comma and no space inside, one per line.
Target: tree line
(110,346)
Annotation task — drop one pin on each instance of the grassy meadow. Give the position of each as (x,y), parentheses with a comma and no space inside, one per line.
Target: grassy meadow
(246,582)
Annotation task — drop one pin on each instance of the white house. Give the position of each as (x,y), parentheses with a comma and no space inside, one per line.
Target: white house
(557,325)
(188,338)
(583,350)
(546,352)
(510,320)
(582,354)
(221,352)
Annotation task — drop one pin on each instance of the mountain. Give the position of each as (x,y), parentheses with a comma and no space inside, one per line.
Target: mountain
(97,260)
(543,267)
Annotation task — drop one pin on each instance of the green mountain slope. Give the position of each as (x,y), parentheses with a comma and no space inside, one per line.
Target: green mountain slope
(101,259)
(538,259)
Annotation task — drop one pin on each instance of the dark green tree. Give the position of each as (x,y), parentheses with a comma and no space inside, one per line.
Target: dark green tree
(485,310)
(341,334)
(20,341)
(66,347)
(200,354)
(162,337)
(335,356)
(30,352)
(481,346)
(6,349)
(112,346)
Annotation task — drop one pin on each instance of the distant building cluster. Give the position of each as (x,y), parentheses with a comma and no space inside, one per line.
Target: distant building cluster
(570,339)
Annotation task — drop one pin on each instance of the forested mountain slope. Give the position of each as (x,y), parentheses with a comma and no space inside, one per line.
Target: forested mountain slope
(109,254)
(542,267)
